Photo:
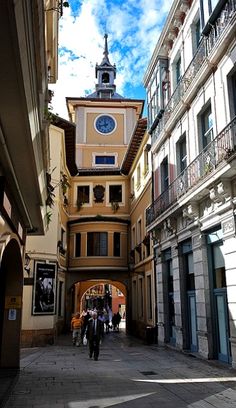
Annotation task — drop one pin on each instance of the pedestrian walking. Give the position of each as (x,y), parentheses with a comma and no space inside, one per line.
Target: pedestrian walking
(94,334)
(86,317)
(76,326)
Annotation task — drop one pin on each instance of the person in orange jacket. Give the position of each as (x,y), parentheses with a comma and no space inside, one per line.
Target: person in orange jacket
(76,326)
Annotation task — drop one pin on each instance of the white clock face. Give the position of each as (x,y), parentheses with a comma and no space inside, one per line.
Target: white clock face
(105,124)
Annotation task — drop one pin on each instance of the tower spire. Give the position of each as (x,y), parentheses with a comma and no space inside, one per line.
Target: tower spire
(105,52)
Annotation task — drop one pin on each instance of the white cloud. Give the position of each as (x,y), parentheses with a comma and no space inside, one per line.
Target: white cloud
(133,27)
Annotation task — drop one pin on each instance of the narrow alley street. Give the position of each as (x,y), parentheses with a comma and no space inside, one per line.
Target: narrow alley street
(128,374)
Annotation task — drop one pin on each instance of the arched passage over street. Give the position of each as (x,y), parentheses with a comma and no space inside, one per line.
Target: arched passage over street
(76,293)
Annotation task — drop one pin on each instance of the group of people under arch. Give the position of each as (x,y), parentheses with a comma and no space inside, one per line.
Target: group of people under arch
(79,323)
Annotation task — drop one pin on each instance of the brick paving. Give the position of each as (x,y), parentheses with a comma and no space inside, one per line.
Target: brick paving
(128,374)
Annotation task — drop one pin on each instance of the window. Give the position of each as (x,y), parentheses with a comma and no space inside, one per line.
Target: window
(164,174)
(181,154)
(140,296)
(133,237)
(232,92)
(139,231)
(149,297)
(188,265)
(83,194)
(138,176)
(218,266)
(207,7)
(60,299)
(97,244)
(153,102)
(146,163)
(178,70)
(77,244)
(132,186)
(206,126)
(63,238)
(115,193)
(196,34)
(105,160)
(116,244)
(146,242)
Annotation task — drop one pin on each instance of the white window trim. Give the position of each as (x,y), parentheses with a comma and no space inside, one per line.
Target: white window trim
(117,183)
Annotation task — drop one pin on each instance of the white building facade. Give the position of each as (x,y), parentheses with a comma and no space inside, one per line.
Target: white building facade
(191,95)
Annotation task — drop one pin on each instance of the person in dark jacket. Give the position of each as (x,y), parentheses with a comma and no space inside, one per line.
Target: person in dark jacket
(94,334)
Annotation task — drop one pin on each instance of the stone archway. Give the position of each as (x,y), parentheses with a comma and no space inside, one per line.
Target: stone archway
(11,287)
(120,281)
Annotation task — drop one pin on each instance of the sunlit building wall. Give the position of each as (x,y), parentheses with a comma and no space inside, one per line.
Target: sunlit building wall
(190,84)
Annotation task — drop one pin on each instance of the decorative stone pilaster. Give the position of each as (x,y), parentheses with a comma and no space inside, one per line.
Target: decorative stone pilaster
(160,302)
(202,292)
(177,294)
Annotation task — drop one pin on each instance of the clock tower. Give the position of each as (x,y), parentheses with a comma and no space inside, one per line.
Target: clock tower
(99,202)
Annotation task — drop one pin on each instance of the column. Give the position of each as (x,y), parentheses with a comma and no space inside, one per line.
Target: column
(177,294)
(202,291)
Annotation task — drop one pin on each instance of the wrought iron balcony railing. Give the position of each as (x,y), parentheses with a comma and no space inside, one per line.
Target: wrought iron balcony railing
(221,148)
(204,50)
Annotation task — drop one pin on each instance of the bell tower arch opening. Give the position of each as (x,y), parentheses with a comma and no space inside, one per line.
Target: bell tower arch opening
(105,78)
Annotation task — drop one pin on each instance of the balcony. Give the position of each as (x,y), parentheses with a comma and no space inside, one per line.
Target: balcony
(222,148)
(206,47)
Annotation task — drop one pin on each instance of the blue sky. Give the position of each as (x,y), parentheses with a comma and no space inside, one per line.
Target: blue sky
(133,28)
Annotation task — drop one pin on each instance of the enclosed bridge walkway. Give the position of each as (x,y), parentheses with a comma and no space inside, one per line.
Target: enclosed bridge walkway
(128,374)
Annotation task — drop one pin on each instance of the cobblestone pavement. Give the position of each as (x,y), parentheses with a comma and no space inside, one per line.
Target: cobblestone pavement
(128,374)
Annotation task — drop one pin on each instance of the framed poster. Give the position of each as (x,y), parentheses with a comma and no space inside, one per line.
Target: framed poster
(44,288)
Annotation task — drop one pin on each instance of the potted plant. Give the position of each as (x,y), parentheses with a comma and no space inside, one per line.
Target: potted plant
(115,206)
